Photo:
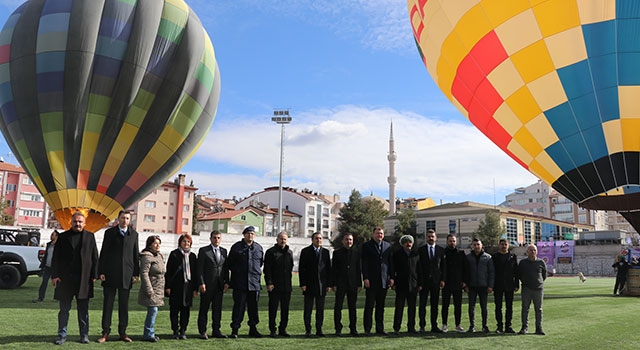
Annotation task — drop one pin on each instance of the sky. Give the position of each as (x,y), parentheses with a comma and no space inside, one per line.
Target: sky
(345,70)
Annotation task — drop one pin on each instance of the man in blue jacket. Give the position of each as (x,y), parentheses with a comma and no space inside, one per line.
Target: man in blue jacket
(245,263)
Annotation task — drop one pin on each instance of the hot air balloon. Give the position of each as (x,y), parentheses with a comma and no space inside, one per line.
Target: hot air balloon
(103,100)
(555,84)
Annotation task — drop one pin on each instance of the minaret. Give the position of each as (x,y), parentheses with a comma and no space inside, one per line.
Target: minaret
(392,174)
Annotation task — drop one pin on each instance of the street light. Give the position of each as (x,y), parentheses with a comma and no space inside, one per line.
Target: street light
(281,116)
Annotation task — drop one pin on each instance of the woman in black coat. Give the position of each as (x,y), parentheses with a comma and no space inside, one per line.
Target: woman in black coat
(181,285)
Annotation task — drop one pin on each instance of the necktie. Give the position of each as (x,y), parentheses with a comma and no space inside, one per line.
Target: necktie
(123,232)
(216,253)
(432,255)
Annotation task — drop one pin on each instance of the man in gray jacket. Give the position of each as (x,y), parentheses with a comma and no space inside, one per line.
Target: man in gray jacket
(533,272)
(480,276)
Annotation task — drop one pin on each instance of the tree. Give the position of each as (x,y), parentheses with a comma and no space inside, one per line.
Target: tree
(490,230)
(196,211)
(406,224)
(359,218)
(5,219)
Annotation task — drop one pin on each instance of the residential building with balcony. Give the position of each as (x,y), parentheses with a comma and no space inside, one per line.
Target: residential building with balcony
(167,209)
(314,209)
(24,202)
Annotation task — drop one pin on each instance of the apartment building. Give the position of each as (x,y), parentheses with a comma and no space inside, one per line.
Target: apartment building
(24,202)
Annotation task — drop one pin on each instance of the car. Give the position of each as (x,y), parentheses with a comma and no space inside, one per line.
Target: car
(20,256)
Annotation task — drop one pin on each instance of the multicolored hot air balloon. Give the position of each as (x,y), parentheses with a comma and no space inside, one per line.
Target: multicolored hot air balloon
(555,84)
(103,100)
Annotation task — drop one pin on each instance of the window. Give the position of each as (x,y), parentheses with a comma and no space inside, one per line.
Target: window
(527,232)
(27,181)
(185,207)
(31,213)
(311,211)
(430,225)
(311,223)
(512,230)
(187,194)
(453,225)
(243,217)
(11,203)
(149,218)
(149,204)
(11,187)
(538,231)
(34,197)
(148,230)
(185,222)
(325,212)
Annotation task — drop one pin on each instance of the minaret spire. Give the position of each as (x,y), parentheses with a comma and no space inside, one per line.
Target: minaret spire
(392,173)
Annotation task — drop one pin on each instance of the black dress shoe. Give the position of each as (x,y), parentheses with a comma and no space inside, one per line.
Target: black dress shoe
(254,333)
(60,340)
(354,333)
(284,334)
(204,336)
(319,334)
(307,334)
(272,334)
(218,335)
(234,334)
(436,330)
(382,332)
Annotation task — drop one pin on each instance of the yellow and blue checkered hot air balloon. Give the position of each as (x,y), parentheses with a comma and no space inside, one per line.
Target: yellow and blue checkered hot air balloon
(554,83)
(101,101)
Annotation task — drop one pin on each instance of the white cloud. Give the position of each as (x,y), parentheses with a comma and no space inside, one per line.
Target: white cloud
(334,151)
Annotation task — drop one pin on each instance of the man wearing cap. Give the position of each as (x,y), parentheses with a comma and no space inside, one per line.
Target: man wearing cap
(245,263)
(406,272)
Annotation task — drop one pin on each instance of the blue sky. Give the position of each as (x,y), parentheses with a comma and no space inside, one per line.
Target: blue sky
(345,69)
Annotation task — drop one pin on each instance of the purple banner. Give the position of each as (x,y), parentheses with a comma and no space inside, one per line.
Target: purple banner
(546,253)
(564,252)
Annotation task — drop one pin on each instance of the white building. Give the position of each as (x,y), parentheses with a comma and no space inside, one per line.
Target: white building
(313,208)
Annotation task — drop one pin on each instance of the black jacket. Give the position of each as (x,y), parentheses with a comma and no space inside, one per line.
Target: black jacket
(315,273)
(506,269)
(434,270)
(119,258)
(455,262)
(346,268)
(212,273)
(181,292)
(245,265)
(278,264)
(75,262)
(375,265)
(407,271)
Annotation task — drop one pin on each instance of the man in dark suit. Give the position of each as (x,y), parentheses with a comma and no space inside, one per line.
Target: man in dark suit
(213,278)
(74,268)
(45,266)
(278,264)
(507,282)
(315,273)
(119,268)
(376,259)
(347,280)
(406,273)
(433,268)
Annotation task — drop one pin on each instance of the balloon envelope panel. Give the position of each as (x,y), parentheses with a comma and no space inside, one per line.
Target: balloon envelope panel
(555,84)
(102,101)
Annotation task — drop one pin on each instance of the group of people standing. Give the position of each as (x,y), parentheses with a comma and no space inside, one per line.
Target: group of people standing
(423,272)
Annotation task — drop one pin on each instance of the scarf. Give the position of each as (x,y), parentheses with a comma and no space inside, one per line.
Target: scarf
(186,268)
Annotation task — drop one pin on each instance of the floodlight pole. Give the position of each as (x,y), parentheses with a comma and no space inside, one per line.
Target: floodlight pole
(281,116)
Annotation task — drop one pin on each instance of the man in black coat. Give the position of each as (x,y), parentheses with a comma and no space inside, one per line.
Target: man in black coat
(376,260)
(433,268)
(119,268)
(347,280)
(455,265)
(278,264)
(213,278)
(507,282)
(74,268)
(315,273)
(406,273)
(45,266)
